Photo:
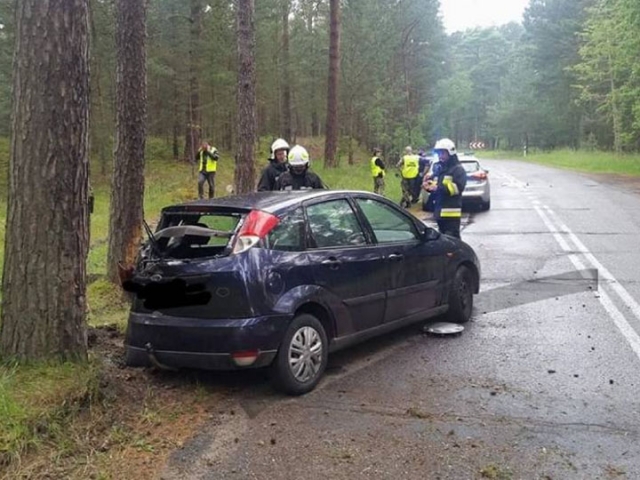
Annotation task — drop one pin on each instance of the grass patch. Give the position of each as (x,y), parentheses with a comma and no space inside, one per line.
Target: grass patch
(578,160)
(36,404)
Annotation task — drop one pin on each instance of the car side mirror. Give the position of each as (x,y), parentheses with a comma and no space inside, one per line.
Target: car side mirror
(486,170)
(429,234)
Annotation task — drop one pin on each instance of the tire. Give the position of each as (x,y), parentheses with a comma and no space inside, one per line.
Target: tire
(486,205)
(306,347)
(461,296)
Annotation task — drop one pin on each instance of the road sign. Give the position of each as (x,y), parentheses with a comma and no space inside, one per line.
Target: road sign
(476,145)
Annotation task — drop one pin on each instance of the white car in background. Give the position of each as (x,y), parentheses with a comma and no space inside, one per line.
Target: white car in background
(478,190)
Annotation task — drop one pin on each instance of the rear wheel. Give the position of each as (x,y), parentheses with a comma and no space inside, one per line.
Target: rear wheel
(302,357)
(461,296)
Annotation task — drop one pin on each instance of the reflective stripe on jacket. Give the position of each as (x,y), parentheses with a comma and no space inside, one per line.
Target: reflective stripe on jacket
(375,169)
(410,166)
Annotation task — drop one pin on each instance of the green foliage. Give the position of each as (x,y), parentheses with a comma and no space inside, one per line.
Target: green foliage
(565,77)
(609,83)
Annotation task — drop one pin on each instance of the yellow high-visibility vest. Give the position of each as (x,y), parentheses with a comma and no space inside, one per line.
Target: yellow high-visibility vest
(375,169)
(410,166)
(208,164)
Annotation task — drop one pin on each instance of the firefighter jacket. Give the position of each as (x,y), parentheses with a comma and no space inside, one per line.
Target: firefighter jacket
(452,179)
(270,175)
(306,181)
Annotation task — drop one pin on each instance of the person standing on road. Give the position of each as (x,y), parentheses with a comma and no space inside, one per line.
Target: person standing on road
(448,187)
(423,167)
(409,171)
(207,158)
(378,172)
(277,165)
(298,177)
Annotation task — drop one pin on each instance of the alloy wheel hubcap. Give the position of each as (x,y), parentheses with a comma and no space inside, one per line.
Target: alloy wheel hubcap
(305,354)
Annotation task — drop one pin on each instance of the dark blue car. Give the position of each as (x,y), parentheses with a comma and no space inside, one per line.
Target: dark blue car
(281,279)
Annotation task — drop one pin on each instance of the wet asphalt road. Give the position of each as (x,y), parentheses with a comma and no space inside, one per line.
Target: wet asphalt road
(543,383)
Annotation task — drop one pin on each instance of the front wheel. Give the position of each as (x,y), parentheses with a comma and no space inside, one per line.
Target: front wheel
(461,296)
(302,357)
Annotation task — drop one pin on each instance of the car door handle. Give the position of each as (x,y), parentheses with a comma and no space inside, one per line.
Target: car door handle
(395,257)
(332,262)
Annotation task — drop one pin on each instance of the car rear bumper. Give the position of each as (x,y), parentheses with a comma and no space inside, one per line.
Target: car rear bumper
(476,195)
(175,342)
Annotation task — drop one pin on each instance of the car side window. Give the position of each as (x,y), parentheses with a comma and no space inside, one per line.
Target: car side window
(334,224)
(388,225)
(288,235)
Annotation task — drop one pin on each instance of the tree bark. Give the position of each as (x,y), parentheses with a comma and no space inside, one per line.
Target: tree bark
(127,185)
(245,167)
(194,115)
(46,243)
(331,141)
(286,80)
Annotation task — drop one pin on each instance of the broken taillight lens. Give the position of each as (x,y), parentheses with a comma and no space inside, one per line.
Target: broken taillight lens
(256,226)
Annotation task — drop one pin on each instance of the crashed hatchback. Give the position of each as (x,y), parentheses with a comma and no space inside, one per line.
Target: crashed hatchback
(281,279)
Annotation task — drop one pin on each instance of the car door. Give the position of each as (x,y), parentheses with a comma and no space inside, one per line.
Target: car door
(414,266)
(285,263)
(346,264)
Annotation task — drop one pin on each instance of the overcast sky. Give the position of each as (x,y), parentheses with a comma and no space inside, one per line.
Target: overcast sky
(462,14)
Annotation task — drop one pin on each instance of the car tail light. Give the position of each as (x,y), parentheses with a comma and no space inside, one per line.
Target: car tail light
(244,359)
(255,227)
(479,175)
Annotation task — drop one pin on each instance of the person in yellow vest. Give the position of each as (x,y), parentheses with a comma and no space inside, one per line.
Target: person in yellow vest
(207,159)
(378,172)
(410,166)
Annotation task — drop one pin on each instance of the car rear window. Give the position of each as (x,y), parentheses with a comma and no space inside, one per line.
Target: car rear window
(196,234)
(470,167)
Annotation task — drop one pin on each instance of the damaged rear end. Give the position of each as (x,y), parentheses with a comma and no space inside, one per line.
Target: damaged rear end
(197,296)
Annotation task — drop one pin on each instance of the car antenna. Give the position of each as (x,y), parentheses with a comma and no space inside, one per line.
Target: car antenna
(152,239)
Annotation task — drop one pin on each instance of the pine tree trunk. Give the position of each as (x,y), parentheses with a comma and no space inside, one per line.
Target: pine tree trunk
(286,80)
(46,243)
(127,186)
(331,143)
(194,117)
(245,168)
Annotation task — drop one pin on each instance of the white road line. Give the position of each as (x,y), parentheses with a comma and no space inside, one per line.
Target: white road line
(618,318)
(602,271)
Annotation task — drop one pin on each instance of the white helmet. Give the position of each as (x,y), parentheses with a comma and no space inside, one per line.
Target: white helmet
(446,144)
(279,144)
(298,156)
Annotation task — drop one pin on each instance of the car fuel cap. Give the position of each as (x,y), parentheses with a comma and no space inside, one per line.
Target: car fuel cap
(443,328)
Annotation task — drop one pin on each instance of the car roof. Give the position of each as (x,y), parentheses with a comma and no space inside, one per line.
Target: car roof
(267,201)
